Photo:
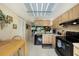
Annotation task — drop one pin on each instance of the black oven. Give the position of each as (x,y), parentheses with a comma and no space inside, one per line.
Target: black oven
(63,47)
(64,44)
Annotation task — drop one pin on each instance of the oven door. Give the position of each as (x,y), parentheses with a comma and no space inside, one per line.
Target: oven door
(38,40)
(63,47)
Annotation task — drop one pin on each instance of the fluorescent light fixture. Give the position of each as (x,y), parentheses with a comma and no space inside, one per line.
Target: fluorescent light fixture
(37,8)
(32,8)
(41,8)
(46,8)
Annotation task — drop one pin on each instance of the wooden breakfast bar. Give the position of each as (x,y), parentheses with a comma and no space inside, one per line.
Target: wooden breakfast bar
(12,47)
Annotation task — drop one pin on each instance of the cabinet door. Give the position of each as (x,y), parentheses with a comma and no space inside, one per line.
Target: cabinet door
(42,22)
(57,23)
(53,41)
(76,12)
(70,14)
(60,19)
(47,39)
(37,22)
(54,23)
(46,22)
(76,51)
(65,17)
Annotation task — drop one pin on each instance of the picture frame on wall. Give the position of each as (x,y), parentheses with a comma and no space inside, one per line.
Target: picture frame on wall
(9,19)
(14,26)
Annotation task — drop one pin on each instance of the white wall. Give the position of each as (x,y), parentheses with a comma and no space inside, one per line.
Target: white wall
(8,32)
(19,8)
(21,28)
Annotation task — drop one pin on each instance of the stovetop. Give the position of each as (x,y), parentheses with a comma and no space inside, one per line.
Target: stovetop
(70,39)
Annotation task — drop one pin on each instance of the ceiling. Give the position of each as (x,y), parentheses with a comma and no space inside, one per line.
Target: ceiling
(28,11)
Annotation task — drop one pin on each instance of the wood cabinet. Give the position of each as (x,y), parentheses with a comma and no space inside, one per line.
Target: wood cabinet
(71,14)
(76,12)
(76,49)
(47,39)
(42,22)
(65,17)
(56,22)
(54,40)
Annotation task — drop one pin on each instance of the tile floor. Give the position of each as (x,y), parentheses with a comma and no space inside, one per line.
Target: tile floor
(37,50)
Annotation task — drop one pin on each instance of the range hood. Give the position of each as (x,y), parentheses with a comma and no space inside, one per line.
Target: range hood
(71,22)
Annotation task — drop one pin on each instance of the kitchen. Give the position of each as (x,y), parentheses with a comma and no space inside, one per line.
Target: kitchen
(62,34)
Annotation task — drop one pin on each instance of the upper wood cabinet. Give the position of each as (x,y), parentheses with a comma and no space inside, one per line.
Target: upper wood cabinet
(65,17)
(56,22)
(71,14)
(42,23)
(76,11)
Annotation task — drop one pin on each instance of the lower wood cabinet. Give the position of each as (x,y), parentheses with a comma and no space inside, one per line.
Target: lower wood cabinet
(47,39)
(76,51)
(54,40)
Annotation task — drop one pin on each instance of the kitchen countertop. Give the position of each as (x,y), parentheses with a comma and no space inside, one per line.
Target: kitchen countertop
(48,34)
(76,45)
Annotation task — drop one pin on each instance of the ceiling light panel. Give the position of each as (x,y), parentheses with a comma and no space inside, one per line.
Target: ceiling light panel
(44,8)
(36,9)
(39,8)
